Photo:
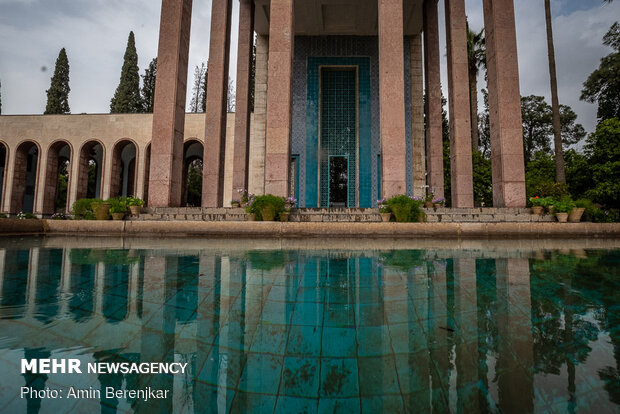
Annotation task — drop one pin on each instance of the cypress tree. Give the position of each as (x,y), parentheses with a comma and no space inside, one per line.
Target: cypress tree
(127,97)
(148,86)
(58,93)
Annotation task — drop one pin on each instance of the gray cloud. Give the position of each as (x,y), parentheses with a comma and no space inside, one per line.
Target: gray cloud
(94,32)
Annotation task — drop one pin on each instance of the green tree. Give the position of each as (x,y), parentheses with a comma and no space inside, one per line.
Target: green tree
(58,93)
(603,85)
(476,56)
(127,97)
(603,152)
(483,180)
(198,89)
(203,94)
(148,86)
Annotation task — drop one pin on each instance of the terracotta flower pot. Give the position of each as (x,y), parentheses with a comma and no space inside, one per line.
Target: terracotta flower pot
(284,217)
(102,211)
(385,217)
(251,217)
(268,213)
(429,204)
(118,216)
(562,217)
(235,204)
(537,210)
(575,215)
(135,210)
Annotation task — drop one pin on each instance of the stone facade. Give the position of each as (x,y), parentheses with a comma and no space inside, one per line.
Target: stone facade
(339,116)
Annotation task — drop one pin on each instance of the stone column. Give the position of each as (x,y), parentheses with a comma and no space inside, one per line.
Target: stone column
(460,115)
(505,104)
(215,127)
(417,117)
(242,112)
(434,145)
(279,97)
(392,98)
(256,179)
(165,178)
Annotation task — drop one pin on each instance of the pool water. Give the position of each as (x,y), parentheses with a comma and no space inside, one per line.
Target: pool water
(292,331)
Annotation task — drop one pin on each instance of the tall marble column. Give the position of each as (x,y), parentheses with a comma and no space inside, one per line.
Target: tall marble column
(434,144)
(279,97)
(169,108)
(216,107)
(417,118)
(460,115)
(256,180)
(242,111)
(392,98)
(505,104)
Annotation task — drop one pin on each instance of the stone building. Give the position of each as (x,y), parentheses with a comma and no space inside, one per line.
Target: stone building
(339,116)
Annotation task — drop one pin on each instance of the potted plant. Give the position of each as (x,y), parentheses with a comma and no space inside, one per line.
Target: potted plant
(428,201)
(439,202)
(405,208)
(135,205)
(290,203)
(562,208)
(577,212)
(101,209)
(266,207)
(384,210)
(538,205)
(118,208)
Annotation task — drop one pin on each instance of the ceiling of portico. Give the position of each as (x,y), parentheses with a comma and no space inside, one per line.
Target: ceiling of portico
(339,17)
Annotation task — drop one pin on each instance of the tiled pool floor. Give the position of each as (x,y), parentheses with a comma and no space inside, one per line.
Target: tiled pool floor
(317,331)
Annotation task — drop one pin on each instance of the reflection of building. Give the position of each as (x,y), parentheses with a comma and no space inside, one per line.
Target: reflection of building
(338,112)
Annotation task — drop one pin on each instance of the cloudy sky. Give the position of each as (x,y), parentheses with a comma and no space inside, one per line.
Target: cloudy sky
(94,32)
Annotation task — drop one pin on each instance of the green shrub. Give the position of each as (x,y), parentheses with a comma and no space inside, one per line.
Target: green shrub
(550,189)
(83,208)
(134,201)
(405,208)
(118,205)
(268,202)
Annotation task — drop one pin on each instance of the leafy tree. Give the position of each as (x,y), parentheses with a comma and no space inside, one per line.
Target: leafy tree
(485,127)
(555,104)
(127,97)
(483,180)
(578,176)
(58,93)
(603,152)
(198,89)
(148,86)
(538,126)
(539,173)
(603,85)
(476,56)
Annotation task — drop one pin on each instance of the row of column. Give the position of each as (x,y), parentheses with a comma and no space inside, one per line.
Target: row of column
(503,85)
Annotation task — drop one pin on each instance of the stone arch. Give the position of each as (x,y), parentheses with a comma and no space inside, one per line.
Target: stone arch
(57,176)
(90,170)
(147,171)
(193,150)
(124,177)
(4,157)
(25,173)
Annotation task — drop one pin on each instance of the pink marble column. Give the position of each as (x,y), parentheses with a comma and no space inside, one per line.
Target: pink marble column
(242,112)
(169,109)
(216,107)
(392,98)
(460,116)
(279,97)
(434,145)
(505,104)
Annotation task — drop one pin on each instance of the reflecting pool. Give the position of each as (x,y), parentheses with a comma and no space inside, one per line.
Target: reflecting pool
(302,330)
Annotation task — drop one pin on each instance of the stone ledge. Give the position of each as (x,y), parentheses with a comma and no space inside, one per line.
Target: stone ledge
(223,229)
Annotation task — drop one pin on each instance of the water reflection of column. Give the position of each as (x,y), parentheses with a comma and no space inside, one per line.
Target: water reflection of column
(134,276)
(516,353)
(65,285)
(466,319)
(158,327)
(206,331)
(2,270)
(99,289)
(31,289)
(438,334)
